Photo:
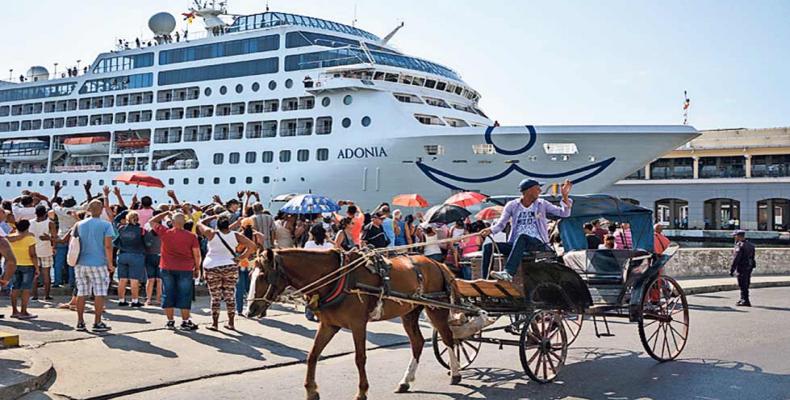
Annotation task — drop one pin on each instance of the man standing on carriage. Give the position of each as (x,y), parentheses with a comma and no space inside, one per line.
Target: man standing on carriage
(529,226)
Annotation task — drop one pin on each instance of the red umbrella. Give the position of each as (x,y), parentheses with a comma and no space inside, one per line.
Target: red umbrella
(466,199)
(409,200)
(490,213)
(139,179)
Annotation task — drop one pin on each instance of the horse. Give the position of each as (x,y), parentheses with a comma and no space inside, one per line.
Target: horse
(277,269)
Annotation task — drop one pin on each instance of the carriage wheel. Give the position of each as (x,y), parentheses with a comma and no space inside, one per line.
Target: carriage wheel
(664,321)
(573,325)
(466,350)
(543,346)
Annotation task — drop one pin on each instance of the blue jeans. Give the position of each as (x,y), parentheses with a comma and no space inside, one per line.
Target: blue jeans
(514,252)
(61,250)
(177,289)
(242,287)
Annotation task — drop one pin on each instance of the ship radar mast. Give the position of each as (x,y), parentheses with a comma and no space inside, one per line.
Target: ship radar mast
(210,11)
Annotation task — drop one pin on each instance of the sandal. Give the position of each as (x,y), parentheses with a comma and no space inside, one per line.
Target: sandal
(229,327)
(212,328)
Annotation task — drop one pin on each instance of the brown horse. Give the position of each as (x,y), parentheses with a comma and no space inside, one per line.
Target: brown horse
(275,270)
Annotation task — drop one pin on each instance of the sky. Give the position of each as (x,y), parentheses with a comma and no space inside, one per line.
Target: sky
(534,62)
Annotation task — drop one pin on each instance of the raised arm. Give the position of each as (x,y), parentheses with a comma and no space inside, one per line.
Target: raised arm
(57,187)
(246,203)
(106,202)
(156,221)
(205,230)
(117,191)
(172,195)
(87,186)
(249,246)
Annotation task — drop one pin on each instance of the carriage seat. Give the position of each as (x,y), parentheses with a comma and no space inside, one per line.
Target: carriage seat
(600,266)
(486,288)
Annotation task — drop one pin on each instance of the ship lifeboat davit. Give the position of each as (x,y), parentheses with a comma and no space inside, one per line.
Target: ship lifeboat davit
(25,150)
(87,145)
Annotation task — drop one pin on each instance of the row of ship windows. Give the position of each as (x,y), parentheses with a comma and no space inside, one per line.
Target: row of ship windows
(254,130)
(267,157)
(436,102)
(200,181)
(426,119)
(227,109)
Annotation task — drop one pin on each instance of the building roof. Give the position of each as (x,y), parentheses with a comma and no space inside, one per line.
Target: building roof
(739,138)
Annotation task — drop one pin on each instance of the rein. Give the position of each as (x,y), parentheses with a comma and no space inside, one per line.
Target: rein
(344,270)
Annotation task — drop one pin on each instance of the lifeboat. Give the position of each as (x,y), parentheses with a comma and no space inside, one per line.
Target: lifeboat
(25,150)
(133,143)
(87,145)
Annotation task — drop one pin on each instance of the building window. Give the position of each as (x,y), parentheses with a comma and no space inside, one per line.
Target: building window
(267,157)
(302,155)
(272,85)
(234,158)
(672,168)
(638,174)
(775,165)
(348,100)
(322,154)
(365,121)
(218,158)
(289,83)
(326,101)
(722,167)
(346,122)
(285,156)
(250,156)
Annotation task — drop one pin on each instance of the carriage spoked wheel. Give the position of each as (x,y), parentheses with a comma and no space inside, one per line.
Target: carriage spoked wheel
(573,324)
(664,323)
(543,346)
(466,350)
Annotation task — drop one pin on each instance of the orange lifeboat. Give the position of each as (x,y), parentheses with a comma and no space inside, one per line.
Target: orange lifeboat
(87,145)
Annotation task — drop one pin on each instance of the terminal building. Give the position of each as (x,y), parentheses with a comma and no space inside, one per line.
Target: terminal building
(722,180)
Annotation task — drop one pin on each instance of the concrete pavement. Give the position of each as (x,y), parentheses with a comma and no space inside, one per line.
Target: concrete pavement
(139,355)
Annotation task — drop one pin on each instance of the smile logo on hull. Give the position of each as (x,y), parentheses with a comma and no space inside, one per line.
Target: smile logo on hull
(455,182)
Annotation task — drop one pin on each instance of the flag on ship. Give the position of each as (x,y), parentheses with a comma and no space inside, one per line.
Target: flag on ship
(686,105)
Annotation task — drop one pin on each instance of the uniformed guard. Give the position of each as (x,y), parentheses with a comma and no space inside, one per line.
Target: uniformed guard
(743,263)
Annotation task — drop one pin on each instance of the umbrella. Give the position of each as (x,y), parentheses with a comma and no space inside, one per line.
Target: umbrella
(139,179)
(490,213)
(309,204)
(409,200)
(446,214)
(466,199)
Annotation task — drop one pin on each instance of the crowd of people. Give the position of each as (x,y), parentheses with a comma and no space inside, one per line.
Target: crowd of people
(154,254)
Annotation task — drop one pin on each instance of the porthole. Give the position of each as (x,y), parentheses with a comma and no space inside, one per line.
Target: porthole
(346,122)
(256,86)
(40,183)
(365,121)
(18,184)
(348,100)
(223,90)
(201,181)
(289,83)
(248,180)
(76,183)
(265,179)
(101,182)
(216,181)
(8,184)
(325,101)
(272,85)
(186,181)
(171,181)
(239,88)
(232,180)
(207,92)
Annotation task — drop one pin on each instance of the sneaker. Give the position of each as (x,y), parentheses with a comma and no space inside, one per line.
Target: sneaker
(34,298)
(171,325)
(48,298)
(137,304)
(100,327)
(502,276)
(123,303)
(743,303)
(80,327)
(188,325)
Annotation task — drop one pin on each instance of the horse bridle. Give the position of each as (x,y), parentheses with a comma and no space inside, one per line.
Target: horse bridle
(272,278)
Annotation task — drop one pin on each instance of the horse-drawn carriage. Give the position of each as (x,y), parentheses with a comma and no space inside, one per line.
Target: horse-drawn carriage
(545,306)
(552,296)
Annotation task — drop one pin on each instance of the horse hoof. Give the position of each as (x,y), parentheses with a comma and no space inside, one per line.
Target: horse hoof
(403,388)
(314,396)
(362,397)
(455,380)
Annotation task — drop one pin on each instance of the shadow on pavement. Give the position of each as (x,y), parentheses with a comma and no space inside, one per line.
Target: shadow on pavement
(38,325)
(611,373)
(133,344)
(243,344)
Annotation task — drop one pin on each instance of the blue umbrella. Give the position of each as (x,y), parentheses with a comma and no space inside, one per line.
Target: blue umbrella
(309,204)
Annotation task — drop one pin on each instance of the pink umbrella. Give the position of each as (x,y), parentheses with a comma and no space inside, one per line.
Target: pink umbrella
(466,199)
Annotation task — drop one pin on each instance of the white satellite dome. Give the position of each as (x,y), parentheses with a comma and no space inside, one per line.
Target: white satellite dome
(37,73)
(162,23)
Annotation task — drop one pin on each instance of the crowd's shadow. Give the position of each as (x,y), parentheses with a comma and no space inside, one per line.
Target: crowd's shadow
(623,374)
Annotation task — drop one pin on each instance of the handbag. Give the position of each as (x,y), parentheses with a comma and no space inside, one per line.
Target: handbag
(73,254)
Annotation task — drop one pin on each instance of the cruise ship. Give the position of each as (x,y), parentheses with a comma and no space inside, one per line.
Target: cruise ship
(282,103)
